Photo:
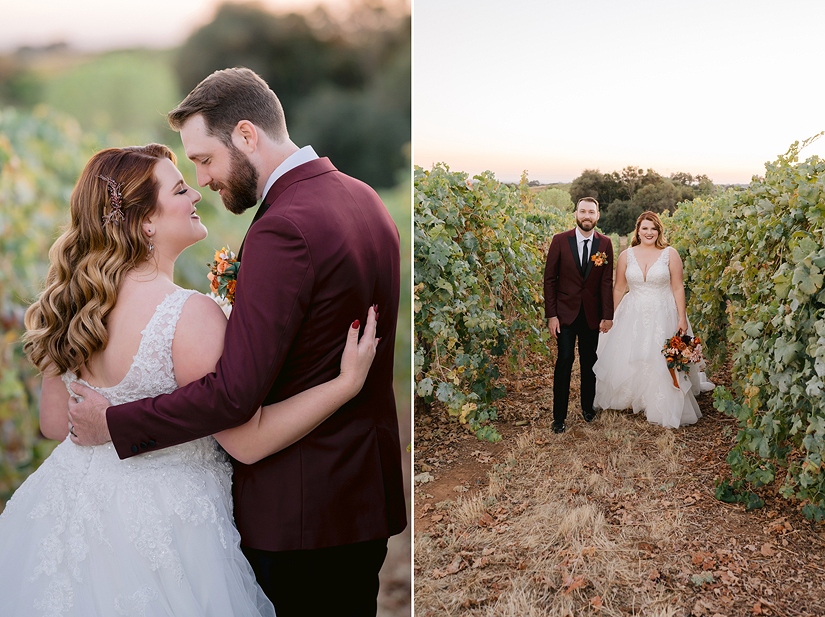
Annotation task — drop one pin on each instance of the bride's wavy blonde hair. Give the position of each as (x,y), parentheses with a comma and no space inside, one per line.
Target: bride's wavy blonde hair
(67,323)
(661,243)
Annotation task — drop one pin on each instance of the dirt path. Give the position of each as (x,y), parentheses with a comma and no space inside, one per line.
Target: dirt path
(617,517)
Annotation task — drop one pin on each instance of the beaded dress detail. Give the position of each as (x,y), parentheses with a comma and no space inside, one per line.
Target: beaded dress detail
(153,535)
(631,371)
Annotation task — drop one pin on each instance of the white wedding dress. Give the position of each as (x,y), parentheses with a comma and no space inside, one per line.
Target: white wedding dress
(89,534)
(631,371)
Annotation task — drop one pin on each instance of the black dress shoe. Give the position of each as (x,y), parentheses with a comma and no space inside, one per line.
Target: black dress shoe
(558,427)
(589,417)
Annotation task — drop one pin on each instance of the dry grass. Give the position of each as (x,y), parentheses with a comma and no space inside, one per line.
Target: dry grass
(546,529)
(607,519)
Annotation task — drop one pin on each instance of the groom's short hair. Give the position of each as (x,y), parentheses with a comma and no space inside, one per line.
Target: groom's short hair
(590,199)
(225,98)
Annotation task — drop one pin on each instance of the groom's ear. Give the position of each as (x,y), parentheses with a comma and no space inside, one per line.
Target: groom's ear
(245,136)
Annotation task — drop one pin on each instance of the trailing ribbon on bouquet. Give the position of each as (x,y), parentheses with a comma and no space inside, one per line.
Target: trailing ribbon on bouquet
(681,351)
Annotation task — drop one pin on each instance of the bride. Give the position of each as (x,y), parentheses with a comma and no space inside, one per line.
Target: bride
(87,533)
(631,371)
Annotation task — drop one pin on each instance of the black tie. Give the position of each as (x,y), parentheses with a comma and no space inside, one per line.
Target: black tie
(584,254)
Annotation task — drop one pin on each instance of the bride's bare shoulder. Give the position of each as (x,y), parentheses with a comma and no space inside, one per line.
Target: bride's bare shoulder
(672,253)
(198,341)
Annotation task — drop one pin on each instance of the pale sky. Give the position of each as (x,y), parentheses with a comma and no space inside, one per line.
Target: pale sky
(96,25)
(557,86)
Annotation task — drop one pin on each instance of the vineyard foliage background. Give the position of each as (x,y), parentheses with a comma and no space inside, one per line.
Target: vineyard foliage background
(480,247)
(754,265)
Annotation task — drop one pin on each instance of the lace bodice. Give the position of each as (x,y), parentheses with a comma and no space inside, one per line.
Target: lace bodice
(152,374)
(88,499)
(655,287)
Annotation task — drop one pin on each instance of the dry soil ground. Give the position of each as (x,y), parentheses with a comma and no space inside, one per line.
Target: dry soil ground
(617,517)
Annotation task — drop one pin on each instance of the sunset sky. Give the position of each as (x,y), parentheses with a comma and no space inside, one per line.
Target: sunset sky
(709,86)
(716,87)
(105,24)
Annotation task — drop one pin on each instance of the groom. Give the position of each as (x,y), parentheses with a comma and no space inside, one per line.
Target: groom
(578,303)
(314,518)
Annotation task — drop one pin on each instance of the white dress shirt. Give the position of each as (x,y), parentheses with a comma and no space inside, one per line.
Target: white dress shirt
(304,155)
(580,238)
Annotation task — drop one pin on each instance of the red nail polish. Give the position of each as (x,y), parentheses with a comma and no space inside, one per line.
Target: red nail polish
(356,324)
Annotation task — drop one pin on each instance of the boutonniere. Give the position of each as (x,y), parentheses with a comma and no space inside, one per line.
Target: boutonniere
(599,259)
(222,274)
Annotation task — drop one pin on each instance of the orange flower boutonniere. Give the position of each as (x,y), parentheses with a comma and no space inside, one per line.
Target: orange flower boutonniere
(599,259)
(222,274)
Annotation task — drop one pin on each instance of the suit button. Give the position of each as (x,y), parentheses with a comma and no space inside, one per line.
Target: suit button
(134,449)
(143,445)
(152,443)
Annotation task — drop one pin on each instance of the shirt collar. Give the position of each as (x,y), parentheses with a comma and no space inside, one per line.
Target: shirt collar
(304,155)
(580,238)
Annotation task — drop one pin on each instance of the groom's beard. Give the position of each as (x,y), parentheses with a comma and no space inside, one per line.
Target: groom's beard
(241,190)
(585,225)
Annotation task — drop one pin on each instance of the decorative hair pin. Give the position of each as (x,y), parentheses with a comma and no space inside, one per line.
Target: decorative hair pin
(116,215)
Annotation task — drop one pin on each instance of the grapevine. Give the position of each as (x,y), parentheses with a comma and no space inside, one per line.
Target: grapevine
(479,254)
(754,264)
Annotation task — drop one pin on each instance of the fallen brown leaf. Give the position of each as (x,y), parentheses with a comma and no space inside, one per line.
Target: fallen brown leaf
(457,565)
(571,583)
(480,562)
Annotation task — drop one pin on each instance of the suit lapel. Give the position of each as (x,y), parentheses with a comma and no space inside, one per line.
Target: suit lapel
(261,211)
(574,248)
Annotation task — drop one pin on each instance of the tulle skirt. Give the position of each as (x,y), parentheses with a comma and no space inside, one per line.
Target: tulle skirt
(89,534)
(632,373)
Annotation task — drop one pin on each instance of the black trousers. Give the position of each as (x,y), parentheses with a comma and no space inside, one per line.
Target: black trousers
(588,342)
(339,580)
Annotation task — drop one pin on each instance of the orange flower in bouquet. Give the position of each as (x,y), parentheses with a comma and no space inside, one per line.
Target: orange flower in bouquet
(222,274)
(680,351)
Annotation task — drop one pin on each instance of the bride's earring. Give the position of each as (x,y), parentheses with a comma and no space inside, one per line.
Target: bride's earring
(151,246)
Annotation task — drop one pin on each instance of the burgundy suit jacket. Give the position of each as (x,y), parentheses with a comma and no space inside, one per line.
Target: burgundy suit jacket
(566,289)
(321,254)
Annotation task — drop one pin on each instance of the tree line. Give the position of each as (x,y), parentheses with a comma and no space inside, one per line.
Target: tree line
(624,195)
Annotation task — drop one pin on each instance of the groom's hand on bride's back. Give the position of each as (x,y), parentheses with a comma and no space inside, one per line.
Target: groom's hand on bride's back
(87,418)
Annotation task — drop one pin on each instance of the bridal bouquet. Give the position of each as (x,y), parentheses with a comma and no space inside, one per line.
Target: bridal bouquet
(222,274)
(680,351)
